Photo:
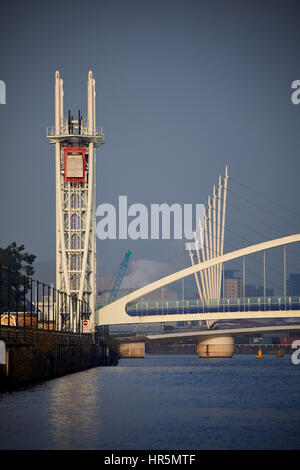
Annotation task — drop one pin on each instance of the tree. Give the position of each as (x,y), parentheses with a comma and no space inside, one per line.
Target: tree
(14,282)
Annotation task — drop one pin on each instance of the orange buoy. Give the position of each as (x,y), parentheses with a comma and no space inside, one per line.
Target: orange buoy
(259,356)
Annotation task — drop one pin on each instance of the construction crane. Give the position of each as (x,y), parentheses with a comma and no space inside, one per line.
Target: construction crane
(118,280)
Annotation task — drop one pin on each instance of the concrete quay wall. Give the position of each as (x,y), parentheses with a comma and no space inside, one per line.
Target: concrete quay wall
(35,356)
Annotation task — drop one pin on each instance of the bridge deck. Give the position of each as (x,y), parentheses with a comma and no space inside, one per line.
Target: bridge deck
(186,306)
(223,332)
(203,333)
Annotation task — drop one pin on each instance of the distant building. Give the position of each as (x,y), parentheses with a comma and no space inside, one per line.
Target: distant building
(293,284)
(257,290)
(232,288)
(231,284)
(230,273)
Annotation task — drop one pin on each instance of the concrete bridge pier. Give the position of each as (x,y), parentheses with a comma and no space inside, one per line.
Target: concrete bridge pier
(132,350)
(218,346)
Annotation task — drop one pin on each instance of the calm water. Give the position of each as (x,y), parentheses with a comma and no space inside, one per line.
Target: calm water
(160,402)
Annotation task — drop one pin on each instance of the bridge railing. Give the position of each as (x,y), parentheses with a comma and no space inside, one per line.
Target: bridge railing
(184,306)
(28,303)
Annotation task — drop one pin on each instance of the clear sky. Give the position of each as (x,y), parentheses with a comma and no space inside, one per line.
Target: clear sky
(183,88)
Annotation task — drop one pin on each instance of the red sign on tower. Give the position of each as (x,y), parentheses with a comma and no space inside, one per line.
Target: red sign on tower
(74,164)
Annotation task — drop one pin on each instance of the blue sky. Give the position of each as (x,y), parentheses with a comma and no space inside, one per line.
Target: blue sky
(183,88)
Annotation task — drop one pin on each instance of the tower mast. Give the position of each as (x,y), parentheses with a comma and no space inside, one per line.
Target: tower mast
(75,144)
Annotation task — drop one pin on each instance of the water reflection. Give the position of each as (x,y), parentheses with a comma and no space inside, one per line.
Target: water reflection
(161,402)
(73,405)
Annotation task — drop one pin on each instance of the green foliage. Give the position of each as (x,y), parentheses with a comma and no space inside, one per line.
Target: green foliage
(14,280)
(14,258)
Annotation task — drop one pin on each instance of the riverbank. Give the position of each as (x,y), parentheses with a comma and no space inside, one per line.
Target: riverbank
(34,356)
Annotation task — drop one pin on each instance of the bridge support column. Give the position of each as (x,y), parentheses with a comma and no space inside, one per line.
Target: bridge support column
(219,346)
(131,349)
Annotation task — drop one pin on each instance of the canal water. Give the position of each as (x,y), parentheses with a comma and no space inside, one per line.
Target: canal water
(160,402)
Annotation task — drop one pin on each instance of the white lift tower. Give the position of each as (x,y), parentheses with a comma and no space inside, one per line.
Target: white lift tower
(75,143)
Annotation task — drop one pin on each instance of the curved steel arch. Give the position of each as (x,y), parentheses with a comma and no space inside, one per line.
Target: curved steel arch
(115,313)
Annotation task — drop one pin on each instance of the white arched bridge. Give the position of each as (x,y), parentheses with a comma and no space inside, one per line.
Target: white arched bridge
(127,310)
